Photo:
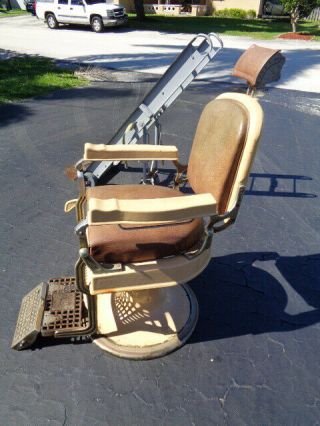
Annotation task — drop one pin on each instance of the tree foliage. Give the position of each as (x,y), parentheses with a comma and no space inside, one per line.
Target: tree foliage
(299,9)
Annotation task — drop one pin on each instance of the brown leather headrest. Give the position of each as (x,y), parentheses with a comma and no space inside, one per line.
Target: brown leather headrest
(259,65)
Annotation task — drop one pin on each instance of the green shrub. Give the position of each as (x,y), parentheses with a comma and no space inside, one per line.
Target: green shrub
(251,14)
(231,13)
(235,13)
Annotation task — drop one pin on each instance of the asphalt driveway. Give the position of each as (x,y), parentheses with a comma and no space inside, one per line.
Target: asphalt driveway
(254,358)
(147,51)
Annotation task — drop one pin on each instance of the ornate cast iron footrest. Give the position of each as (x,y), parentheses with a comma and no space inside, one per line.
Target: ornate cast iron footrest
(64,308)
(30,318)
(55,308)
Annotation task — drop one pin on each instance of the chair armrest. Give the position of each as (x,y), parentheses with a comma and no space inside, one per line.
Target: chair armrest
(98,152)
(154,210)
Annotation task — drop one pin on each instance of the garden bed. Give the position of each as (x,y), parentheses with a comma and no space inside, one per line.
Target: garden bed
(296,36)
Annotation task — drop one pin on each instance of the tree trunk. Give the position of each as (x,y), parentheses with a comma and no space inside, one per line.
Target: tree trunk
(8,4)
(294,19)
(138,4)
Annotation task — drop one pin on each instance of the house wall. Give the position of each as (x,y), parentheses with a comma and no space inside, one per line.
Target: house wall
(212,4)
(237,4)
(315,15)
(15,4)
(128,4)
(174,9)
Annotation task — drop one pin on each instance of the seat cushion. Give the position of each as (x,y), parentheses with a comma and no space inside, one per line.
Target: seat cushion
(137,242)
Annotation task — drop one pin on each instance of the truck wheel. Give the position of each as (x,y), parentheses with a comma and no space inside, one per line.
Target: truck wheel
(51,21)
(97,24)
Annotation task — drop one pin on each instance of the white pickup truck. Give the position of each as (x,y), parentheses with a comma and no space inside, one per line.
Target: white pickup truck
(97,13)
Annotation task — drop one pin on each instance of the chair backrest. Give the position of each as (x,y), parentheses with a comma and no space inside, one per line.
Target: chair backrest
(224,146)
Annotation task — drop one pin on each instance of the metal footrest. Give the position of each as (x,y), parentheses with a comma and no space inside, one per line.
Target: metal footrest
(51,309)
(30,318)
(64,308)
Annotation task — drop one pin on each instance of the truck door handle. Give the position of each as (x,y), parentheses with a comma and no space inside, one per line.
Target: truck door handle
(59,7)
(71,8)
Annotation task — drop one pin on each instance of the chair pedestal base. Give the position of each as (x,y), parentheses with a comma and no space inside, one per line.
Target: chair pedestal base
(146,324)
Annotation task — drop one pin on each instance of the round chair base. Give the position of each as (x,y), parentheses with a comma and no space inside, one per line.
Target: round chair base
(146,324)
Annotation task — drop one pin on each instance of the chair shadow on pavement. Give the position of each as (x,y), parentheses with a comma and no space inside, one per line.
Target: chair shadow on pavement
(259,184)
(238,296)
(278,185)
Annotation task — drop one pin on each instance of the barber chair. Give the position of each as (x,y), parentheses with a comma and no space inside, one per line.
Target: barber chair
(141,244)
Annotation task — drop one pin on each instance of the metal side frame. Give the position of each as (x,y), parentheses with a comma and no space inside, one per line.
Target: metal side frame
(195,56)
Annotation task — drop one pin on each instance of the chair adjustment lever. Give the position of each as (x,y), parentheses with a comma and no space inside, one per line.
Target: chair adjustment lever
(81,227)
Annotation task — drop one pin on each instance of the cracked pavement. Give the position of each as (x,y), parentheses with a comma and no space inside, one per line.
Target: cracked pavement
(254,357)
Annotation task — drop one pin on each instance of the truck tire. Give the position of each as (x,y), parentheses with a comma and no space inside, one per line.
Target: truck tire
(51,21)
(97,24)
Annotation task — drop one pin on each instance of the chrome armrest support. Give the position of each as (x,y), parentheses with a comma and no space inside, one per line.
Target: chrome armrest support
(85,256)
(228,219)
(95,266)
(206,243)
(88,260)
(82,165)
(181,175)
(80,228)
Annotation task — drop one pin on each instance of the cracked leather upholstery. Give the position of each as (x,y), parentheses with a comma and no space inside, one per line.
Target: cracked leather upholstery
(217,148)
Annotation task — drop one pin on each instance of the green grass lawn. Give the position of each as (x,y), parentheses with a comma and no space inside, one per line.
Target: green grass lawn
(14,12)
(256,28)
(23,77)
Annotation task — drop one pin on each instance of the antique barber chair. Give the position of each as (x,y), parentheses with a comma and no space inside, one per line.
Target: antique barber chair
(141,244)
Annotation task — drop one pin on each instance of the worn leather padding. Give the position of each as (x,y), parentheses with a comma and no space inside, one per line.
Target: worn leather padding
(217,149)
(137,243)
(251,63)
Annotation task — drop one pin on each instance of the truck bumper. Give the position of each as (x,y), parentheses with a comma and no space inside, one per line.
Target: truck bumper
(107,22)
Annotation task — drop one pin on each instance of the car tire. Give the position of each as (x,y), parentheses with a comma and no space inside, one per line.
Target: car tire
(51,21)
(97,24)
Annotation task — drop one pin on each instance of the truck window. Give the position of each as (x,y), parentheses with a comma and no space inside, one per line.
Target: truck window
(95,1)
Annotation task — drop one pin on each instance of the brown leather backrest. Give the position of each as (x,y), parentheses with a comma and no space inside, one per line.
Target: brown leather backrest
(217,149)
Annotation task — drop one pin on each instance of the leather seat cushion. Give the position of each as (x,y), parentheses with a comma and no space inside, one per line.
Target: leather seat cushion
(137,242)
